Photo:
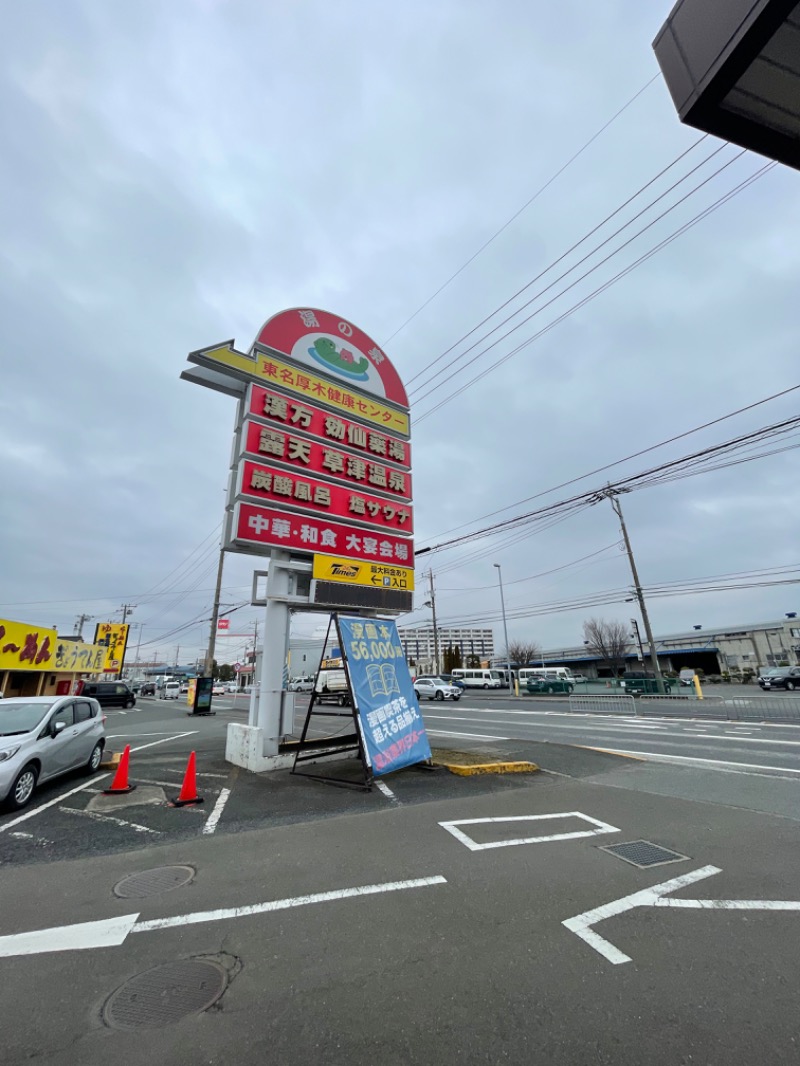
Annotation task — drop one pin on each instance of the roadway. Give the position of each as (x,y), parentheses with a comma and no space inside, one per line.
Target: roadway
(764,747)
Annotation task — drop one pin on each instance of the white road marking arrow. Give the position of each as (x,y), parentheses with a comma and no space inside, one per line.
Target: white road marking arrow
(114,931)
(657,896)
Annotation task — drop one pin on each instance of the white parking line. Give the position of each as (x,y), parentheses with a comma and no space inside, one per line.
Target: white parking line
(384,788)
(50,803)
(110,818)
(219,806)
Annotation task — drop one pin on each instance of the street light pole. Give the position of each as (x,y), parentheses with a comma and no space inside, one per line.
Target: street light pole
(505,627)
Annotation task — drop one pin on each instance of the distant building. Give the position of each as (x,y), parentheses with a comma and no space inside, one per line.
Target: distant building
(714,650)
(419,644)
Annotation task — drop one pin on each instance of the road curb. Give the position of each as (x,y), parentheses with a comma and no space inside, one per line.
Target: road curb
(468,764)
(489,768)
(612,751)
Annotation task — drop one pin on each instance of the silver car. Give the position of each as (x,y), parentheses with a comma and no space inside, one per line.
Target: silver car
(436,688)
(42,737)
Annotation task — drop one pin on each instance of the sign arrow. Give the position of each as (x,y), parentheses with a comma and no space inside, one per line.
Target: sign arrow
(659,896)
(114,931)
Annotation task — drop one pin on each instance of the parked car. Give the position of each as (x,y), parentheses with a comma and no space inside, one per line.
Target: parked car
(644,683)
(171,690)
(435,688)
(686,677)
(148,689)
(110,693)
(787,677)
(453,680)
(218,688)
(42,737)
(301,684)
(580,679)
(184,687)
(549,684)
(231,687)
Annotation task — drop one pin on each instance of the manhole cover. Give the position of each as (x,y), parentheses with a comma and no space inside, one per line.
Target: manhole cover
(642,853)
(165,995)
(152,882)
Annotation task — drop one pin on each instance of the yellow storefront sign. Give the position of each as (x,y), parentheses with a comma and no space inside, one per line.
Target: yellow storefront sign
(354,572)
(78,657)
(269,370)
(114,637)
(26,647)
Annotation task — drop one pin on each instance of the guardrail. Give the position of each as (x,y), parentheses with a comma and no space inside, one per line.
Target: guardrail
(596,703)
(731,709)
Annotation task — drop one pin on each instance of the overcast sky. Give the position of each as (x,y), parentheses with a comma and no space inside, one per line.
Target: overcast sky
(175,173)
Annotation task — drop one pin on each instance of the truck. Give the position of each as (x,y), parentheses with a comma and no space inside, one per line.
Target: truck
(331,687)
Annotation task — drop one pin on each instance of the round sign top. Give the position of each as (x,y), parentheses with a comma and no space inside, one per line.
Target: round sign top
(324,341)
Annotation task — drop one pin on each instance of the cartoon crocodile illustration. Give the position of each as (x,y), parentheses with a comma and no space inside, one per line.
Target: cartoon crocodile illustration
(342,361)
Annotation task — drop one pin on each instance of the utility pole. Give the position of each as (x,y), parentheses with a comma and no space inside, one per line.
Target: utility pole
(637,587)
(127,608)
(212,636)
(79,624)
(435,629)
(505,627)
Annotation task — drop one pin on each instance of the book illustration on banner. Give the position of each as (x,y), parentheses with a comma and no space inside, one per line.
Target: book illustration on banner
(342,360)
(382,679)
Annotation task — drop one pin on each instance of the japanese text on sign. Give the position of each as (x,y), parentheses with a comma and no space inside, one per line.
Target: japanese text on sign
(315,388)
(279,529)
(296,414)
(318,458)
(26,647)
(391,725)
(279,487)
(114,637)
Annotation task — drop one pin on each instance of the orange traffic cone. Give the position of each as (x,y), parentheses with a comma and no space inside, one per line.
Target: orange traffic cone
(188,793)
(120,782)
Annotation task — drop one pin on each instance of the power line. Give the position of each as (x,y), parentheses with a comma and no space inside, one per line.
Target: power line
(563,256)
(596,292)
(627,484)
(524,207)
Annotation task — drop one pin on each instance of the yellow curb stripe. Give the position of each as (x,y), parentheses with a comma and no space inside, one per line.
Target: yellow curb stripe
(610,751)
(489,768)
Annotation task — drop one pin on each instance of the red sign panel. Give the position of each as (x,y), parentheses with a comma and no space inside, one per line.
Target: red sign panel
(224,623)
(268,527)
(323,341)
(297,414)
(284,488)
(317,458)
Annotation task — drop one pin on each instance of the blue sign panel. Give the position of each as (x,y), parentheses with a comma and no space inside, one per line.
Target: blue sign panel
(391,725)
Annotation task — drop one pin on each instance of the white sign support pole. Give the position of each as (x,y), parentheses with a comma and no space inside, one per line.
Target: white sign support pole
(276,627)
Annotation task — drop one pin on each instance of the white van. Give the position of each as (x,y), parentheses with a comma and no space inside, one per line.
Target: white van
(547,673)
(332,687)
(171,690)
(479,678)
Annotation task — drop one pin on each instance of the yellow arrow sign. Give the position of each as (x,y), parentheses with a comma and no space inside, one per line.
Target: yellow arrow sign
(272,371)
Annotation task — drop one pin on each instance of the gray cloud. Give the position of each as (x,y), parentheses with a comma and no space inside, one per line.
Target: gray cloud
(174,174)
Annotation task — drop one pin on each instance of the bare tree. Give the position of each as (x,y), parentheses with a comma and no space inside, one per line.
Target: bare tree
(523,653)
(608,639)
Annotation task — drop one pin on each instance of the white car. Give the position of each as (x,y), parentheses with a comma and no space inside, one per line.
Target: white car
(170,691)
(44,736)
(434,688)
(218,689)
(301,684)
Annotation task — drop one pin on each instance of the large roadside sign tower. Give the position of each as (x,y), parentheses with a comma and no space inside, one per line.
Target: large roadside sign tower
(319,482)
